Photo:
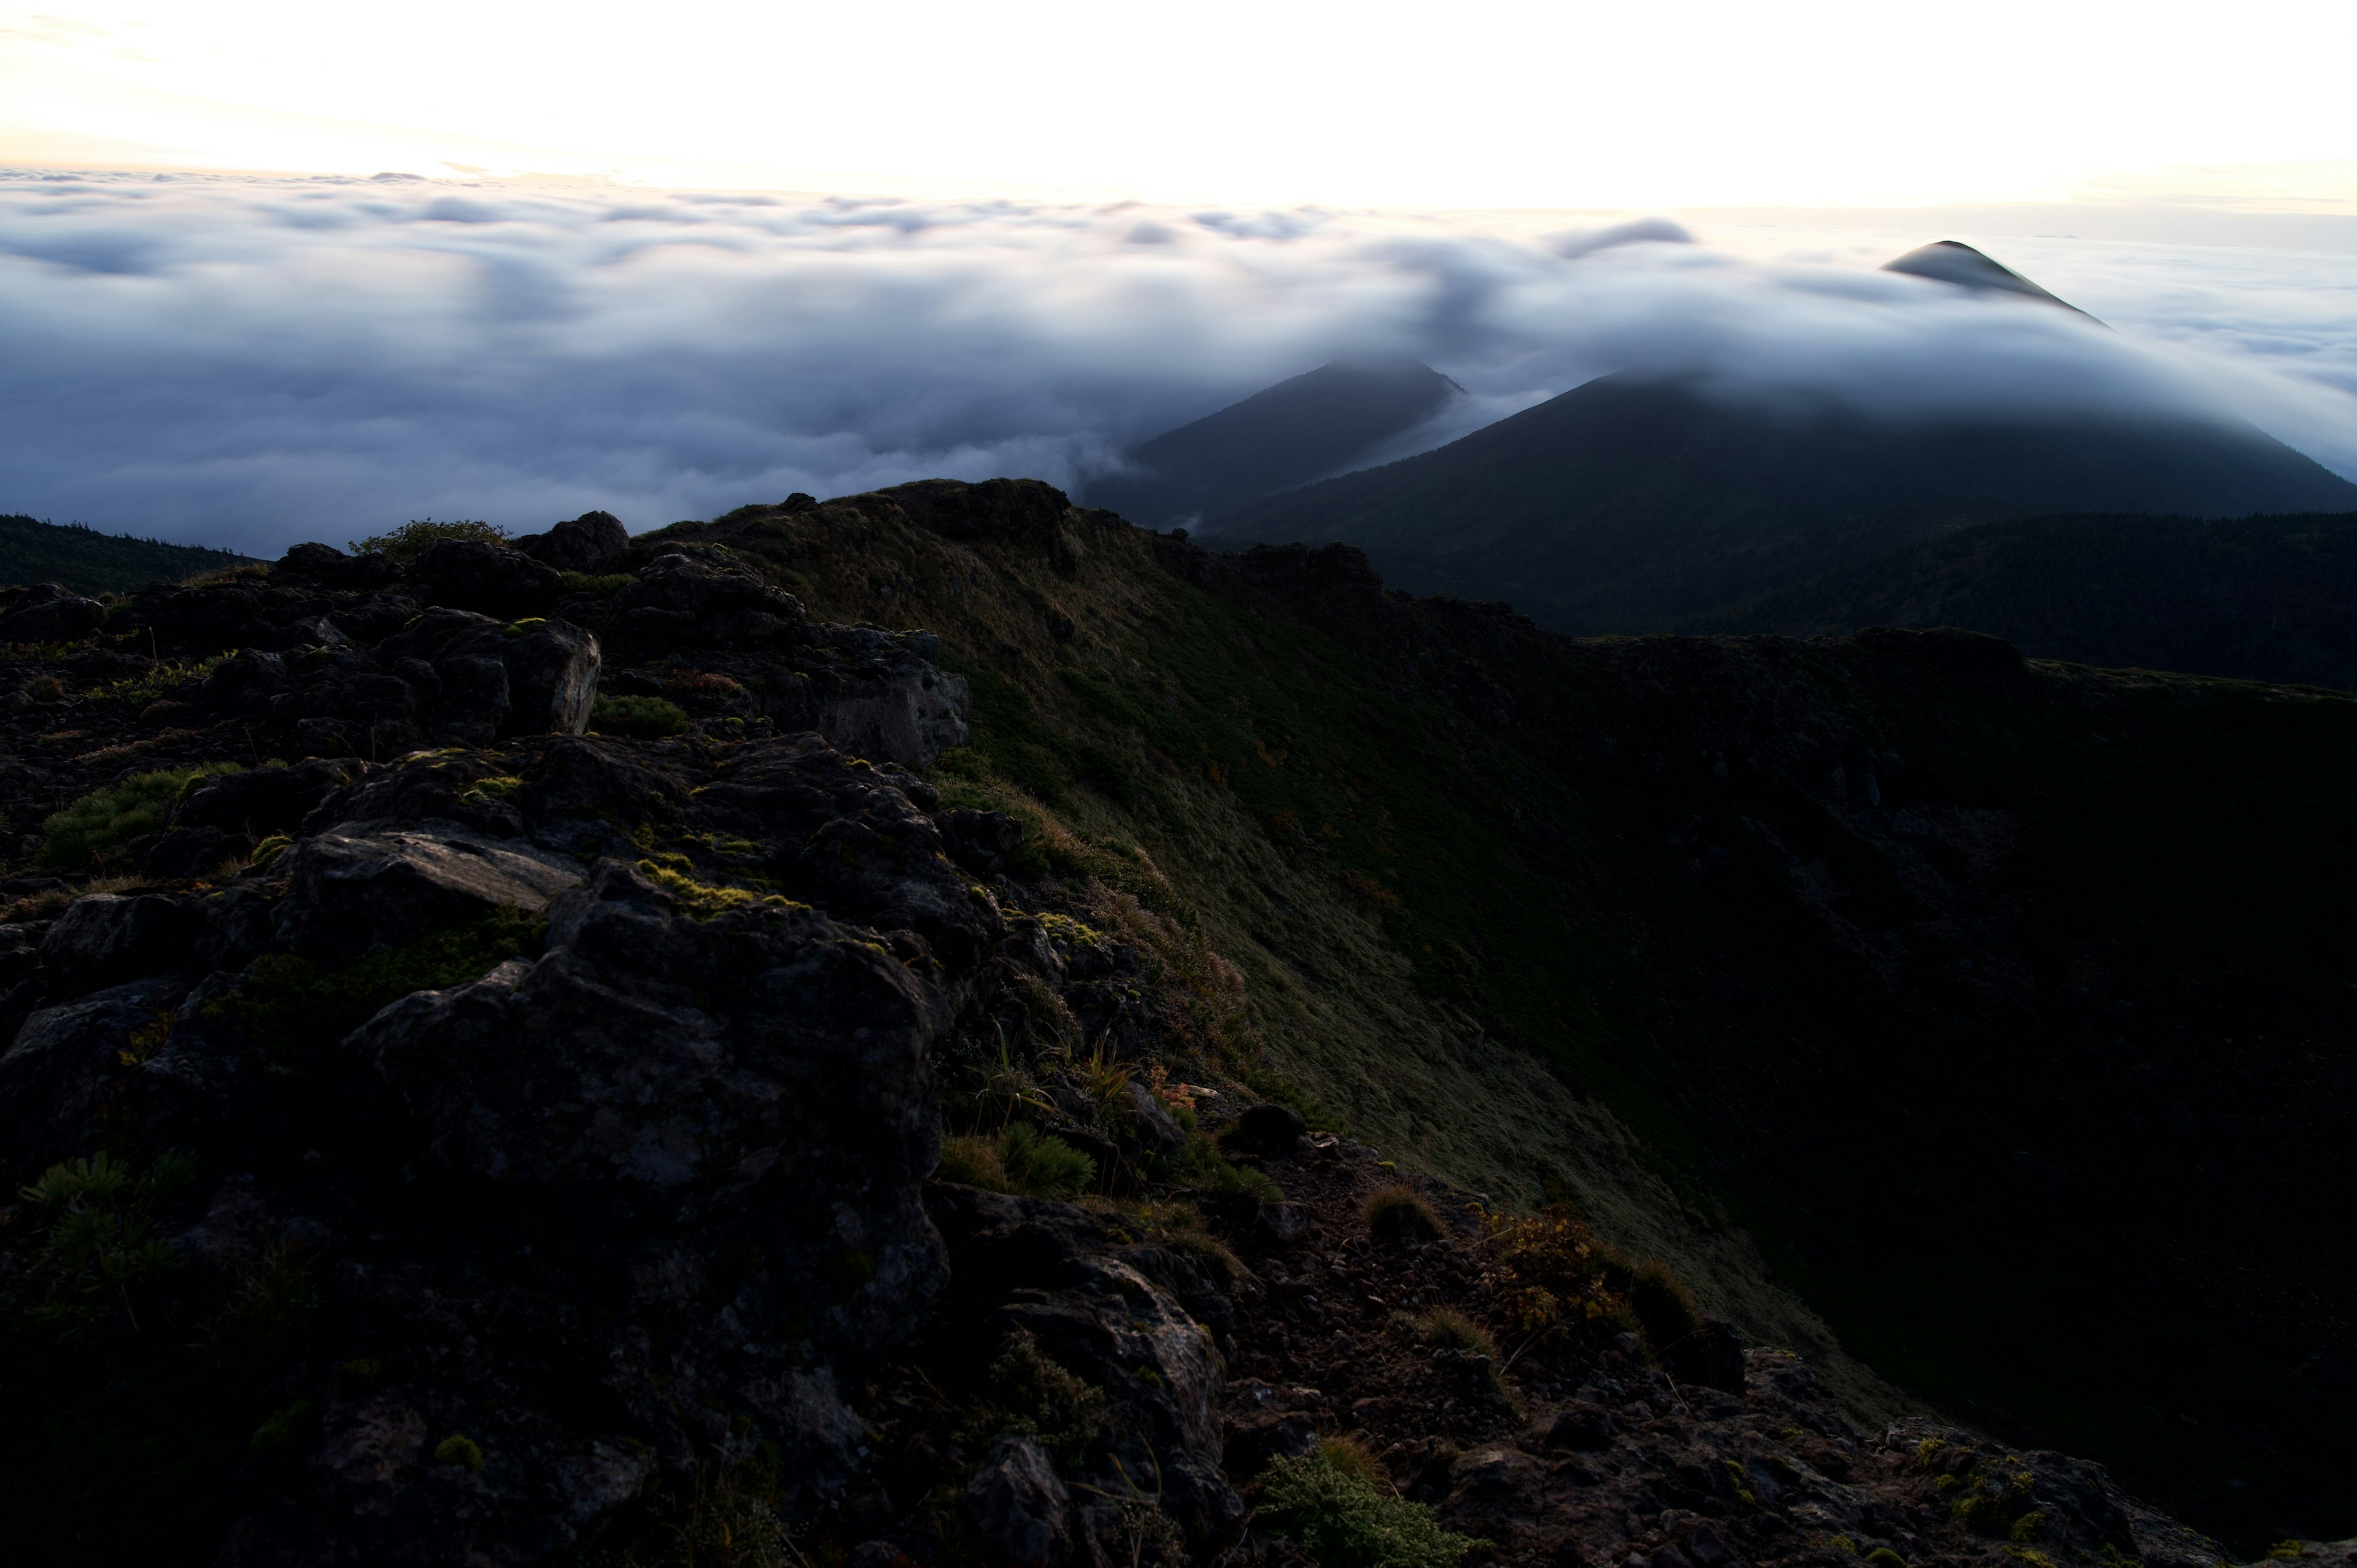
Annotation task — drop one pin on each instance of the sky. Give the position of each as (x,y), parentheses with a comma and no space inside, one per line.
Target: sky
(271,272)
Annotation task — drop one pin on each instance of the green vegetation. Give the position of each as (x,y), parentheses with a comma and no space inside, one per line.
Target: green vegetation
(294,1006)
(412,538)
(1332,1502)
(603,587)
(641,718)
(1020,1159)
(1027,1393)
(136,1383)
(90,561)
(106,821)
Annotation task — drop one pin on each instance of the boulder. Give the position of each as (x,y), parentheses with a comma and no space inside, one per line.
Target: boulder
(984,842)
(1123,1318)
(1712,1356)
(551,679)
(51,612)
(489,579)
(1256,1439)
(1019,1507)
(703,600)
(53,1076)
(576,546)
(648,1052)
(1578,1427)
(353,892)
(265,800)
(1270,1131)
(104,937)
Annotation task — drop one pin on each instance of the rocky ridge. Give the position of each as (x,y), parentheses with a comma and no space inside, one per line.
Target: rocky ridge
(450,1134)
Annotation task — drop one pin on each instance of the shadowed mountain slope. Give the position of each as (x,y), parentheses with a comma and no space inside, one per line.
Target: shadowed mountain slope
(2260,598)
(1628,503)
(1286,436)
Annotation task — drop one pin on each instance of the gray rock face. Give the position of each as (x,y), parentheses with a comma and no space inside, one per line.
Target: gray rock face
(551,679)
(50,612)
(1020,1505)
(352,893)
(104,938)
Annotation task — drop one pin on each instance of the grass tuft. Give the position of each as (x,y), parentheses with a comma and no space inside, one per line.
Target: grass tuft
(1399,1213)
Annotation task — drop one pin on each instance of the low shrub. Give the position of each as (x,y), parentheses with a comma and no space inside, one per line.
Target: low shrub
(1552,1271)
(106,820)
(638,718)
(1339,1512)
(604,585)
(464,1452)
(411,540)
(1399,1213)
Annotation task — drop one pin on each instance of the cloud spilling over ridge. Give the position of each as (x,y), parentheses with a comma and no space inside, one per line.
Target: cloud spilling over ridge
(249,361)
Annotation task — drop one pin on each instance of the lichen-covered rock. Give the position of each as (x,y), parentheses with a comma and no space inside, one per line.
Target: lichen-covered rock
(352,893)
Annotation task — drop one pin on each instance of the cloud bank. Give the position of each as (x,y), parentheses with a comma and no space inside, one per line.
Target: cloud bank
(250,361)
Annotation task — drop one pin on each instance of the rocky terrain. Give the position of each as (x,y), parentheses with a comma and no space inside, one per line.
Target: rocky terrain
(550,1052)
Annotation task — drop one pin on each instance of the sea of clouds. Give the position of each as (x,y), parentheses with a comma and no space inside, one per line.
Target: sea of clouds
(248,361)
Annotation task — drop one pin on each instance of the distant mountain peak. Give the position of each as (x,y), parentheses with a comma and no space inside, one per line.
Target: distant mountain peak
(1953,262)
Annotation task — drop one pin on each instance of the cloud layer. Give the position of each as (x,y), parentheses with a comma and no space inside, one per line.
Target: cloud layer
(250,361)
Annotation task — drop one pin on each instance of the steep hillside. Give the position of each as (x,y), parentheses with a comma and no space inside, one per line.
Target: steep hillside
(92,563)
(1626,504)
(2262,598)
(484,1137)
(1905,962)
(1287,435)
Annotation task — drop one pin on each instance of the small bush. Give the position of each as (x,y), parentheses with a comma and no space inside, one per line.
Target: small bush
(639,718)
(1340,1514)
(410,540)
(1883,1557)
(1665,1307)
(46,689)
(1447,1329)
(1041,1163)
(461,1451)
(604,585)
(1399,1213)
(106,820)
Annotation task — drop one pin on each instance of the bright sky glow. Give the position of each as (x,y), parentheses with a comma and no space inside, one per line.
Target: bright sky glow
(1484,103)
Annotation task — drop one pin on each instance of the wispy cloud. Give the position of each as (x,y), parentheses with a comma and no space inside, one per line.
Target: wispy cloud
(251,361)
